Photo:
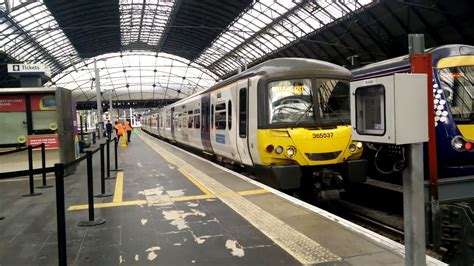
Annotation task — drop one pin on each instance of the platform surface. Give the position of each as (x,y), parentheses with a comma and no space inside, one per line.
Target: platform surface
(173,208)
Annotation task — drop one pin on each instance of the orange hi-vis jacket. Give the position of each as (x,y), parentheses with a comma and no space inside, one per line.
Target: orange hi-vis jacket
(119,128)
(127,126)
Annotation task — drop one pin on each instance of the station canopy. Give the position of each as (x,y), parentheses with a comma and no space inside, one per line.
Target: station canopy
(156,49)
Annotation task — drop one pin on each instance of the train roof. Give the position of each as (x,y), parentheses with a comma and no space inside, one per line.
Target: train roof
(278,65)
(402,62)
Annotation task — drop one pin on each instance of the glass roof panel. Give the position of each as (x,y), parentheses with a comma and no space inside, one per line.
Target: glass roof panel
(32,35)
(143,22)
(136,75)
(285,22)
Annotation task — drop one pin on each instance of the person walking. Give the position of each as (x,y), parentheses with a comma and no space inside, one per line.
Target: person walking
(129,129)
(118,130)
(108,129)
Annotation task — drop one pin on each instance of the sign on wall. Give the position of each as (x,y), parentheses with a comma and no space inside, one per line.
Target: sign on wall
(12,103)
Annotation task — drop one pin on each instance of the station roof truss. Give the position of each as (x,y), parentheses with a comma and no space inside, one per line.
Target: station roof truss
(172,48)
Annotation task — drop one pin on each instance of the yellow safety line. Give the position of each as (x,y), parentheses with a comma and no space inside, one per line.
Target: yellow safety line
(143,202)
(118,193)
(107,205)
(252,192)
(195,182)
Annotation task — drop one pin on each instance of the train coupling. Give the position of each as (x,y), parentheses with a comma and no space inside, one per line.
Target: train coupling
(327,184)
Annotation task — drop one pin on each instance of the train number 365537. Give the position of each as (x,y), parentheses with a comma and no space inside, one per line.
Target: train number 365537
(322,135)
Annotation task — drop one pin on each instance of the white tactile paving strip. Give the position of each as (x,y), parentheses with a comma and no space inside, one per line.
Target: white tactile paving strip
(301,247)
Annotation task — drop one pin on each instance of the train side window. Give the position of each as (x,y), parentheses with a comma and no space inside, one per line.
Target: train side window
(212,115)
(243,113)
(196,118)
(220,117)
(229,114)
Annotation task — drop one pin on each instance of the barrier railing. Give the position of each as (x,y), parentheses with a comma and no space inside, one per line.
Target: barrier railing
(58,171)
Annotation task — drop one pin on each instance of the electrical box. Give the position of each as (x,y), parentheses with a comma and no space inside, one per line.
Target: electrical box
(391,109)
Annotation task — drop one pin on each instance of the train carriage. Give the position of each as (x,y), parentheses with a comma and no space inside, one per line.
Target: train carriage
(286,119)
(453,93)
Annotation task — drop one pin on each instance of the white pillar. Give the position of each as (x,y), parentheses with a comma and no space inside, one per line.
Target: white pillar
(99,102)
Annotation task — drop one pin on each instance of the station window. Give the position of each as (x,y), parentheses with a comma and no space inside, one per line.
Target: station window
(229,114)
(220,116)
(197,119)
(243,113)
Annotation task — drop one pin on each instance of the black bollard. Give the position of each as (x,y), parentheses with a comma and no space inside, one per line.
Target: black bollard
(90,196)
(60,213)
(43,166)
(102,175)
(30,168)
(108,159)
(116,155)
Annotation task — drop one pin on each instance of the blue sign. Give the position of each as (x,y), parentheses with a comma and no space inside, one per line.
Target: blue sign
(220,138)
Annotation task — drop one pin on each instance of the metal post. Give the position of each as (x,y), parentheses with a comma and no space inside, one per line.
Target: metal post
(99,99)
(413,207)
(30,168)
(60,213)
(422,63)
(82,125)
(102,174)
(43,166)
(116,141)
(90,196)
(108,159)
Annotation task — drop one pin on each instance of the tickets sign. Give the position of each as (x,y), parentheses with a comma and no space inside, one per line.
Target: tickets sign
(50,141)
(12,103)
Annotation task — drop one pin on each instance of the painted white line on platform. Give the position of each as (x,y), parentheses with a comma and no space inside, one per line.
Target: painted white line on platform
(302,248)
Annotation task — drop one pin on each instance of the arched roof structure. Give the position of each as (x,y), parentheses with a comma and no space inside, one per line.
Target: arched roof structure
(214,37)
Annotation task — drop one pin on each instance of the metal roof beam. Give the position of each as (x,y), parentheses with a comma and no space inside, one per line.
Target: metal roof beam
(171,19)
(31,40)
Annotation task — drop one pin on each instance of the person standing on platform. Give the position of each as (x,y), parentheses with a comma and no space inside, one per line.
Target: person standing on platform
(118,130)
(108,128)
(129,129)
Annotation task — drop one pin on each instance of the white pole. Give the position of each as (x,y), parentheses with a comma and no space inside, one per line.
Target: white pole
(99,102)
(111,117)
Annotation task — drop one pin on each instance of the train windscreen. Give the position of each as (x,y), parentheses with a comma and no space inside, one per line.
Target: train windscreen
(457,84)
(291,102)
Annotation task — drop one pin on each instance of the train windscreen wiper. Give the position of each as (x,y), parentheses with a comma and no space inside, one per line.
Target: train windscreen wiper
(301,117)
(338,117)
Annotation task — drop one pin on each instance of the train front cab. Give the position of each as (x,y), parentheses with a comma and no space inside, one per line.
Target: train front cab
(301,146)
(453,92)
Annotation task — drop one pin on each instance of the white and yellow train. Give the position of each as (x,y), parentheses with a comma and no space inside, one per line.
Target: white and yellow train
(285,119)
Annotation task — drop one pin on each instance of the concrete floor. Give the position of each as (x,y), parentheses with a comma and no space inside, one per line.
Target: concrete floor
(170,208)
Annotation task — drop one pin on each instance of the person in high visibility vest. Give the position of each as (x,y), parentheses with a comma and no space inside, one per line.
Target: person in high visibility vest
(118,130)
(129,129)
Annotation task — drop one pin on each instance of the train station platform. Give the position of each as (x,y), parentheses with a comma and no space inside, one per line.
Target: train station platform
(171,207)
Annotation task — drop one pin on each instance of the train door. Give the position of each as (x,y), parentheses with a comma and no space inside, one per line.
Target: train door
(242,123)
(158,124)
(205,122)
(173,120)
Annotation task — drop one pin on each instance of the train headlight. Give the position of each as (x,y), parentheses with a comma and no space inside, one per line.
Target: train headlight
(458,143)
(359,145)
(352,148)
(279,150)
(290,152)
